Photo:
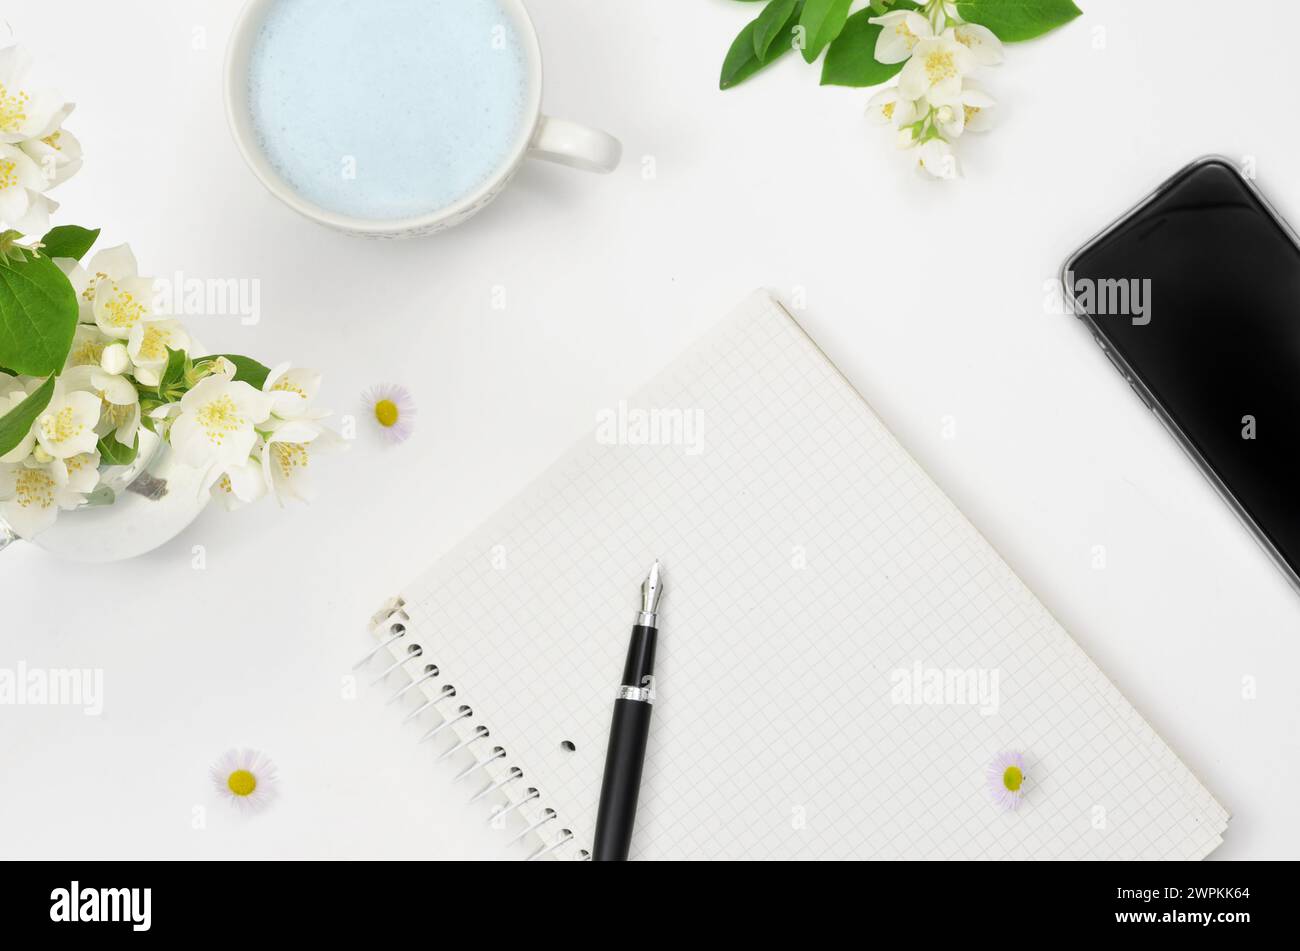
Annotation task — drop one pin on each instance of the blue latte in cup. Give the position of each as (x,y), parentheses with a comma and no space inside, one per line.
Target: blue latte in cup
(388,109)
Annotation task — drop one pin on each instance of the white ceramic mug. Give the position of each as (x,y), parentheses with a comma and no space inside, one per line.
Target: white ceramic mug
(556,140)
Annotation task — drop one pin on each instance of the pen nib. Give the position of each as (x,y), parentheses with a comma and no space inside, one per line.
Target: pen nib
(651,590)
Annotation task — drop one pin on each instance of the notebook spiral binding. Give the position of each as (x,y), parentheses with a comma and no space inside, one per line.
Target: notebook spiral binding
(517,806)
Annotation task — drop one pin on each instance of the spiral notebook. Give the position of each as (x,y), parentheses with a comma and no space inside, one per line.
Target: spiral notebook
(842,655)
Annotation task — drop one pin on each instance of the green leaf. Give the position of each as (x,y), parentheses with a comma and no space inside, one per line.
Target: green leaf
(68,241)
(822,21)
(742,62)
(38,316)
(18,422)
(1015,20)
(851,59)
(769,25)
(114,453)
(246,369)
(174,372)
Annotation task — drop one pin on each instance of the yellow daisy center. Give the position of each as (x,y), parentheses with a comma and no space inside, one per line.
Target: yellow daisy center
(8,174)
(241,782)
(971,112)
(888,109)
(387,413)
(939,65)
(13,108)
(53,140)
(1012,778)
(219,418)
(35,489)
(61,426)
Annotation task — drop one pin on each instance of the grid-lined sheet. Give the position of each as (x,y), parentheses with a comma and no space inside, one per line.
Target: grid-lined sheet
(808,561)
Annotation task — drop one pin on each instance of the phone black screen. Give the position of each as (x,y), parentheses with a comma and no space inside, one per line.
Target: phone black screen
(1215,334)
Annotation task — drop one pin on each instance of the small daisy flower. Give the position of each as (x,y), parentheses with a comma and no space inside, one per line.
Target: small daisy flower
(245,777)
(393,409)
(1006,778)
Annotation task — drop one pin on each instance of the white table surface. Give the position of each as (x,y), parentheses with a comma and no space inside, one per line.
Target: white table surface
(928,295)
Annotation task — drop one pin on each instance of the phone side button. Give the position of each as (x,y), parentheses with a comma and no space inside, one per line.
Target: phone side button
(1140,395)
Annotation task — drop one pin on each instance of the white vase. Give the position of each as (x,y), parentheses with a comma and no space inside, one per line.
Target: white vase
(156,499)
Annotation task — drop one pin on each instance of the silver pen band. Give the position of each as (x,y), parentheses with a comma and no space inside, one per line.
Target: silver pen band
(642,694)
(647,619)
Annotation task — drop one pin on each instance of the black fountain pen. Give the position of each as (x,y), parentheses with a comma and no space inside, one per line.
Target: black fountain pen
(631,728)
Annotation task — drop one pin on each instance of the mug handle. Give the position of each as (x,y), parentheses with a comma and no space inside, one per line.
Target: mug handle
(575,145)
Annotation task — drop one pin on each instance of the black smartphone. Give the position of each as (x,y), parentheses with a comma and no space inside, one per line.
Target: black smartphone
(1194,295)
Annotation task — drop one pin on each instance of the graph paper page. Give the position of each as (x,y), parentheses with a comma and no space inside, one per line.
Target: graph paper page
(811,570)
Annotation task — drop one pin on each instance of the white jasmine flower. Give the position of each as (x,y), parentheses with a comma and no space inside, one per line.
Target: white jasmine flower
(935,70)
(23,206)
(88,344)
(119,412)
(979,109)
(31,497)
(58,154)
(937,158)
(78,473)
(287,456)
(293,391)
(147,346)
(888,108)
(121,419)
(950,120)
(900,31)
(25,112)
(980,40)
(111,292)
(67,426)
(216,423)
(98,364)
(970,111)
(82,283)
(240,484)
(13,392)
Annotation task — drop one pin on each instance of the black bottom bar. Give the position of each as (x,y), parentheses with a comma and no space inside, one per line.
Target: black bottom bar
(1020,904)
